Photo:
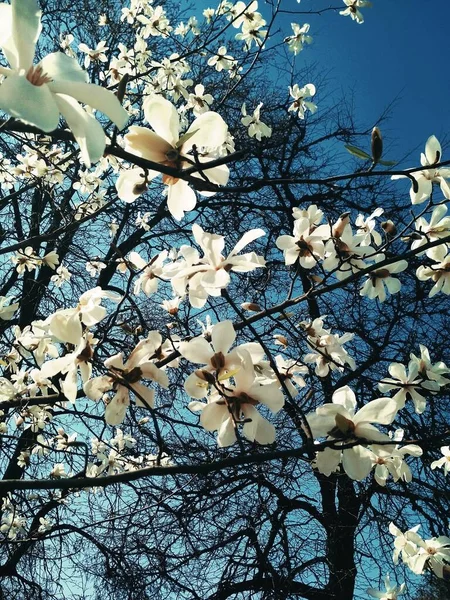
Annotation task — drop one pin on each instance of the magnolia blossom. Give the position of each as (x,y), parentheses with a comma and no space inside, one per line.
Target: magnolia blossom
(408,384)
(7,310)
(437,228)
(256,128)
(299,39)
(392,591)
(439,273)
(216,357)
(124,378)
(434,553)
(69,364)
(300,95)
(221,60)
(353,9)
(236,404)
(381,279)
(425,179)
(366,226)
(339,422)
(443,462)
(66,324)
(211,273)
(388,461)
(305,245)
(38,94)
(164,145)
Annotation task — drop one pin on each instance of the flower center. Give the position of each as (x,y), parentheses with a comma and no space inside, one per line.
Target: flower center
(36,76)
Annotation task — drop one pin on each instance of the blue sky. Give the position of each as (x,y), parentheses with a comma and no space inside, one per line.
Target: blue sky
(400,53)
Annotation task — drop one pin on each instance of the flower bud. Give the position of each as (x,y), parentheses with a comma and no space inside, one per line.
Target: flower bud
(251,306)
(377,145)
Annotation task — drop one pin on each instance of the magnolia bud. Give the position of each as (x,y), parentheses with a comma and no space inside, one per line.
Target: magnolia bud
(377,145)
(281,340)
(389,228)
(341,223)
(251,306)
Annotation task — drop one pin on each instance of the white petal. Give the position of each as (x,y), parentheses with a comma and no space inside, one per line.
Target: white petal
(357,462)
(382,410)
(26,27)
(163,118)
(145,397)
(213,415)
(5,23)
(33,104)
(59,67)
(85,128)
(147,144)
(180,199)
(246,239)
(433,150)
(95,96)
(223,336)
(129,186)
(197,350)
(209,130)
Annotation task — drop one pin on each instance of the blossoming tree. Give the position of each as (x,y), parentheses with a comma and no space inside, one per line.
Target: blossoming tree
(224,322)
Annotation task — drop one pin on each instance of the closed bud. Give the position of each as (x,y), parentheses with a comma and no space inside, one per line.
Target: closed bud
(389,228)
(377,145)
(281,340)
(251,306)
(341,223)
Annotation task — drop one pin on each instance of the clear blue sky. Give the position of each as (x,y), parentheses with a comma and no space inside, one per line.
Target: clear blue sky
(400,52)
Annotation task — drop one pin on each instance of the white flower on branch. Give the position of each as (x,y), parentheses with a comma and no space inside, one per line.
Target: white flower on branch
(163,145)
(124,378)
(339,422)
(232,405)
(423,186)
(297,41)
(353,11)
(38,94)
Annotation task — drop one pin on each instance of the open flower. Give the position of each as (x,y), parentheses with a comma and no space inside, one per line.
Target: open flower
(425,179)
(163,145)
(392,591)
(126,377)
(339,422)
(38,94)
(236,405)
(353,11)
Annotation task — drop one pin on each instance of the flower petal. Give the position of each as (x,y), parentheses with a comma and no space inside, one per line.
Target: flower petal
(26,27)
(85,128)
(95,96)
(30,103)
(208,130)
(223,336)
(147,144)
(163,118)
(180,199)
(61,67)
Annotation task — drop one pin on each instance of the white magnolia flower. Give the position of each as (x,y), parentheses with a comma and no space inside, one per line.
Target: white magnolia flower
(443,462)
(96,54)
(392,592)
(366,227)
(7,310)
(404,548)
(425,179)
(221,60)
(437,228)
(211,273)
(163,145)
(301,102)
(339,421)
(256,128)
(434,552)
(305,245)
(38,94)
(236,405)
(408,384)
(124,378)
(381,279)
(299,39)
(353,9)
(439,273)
